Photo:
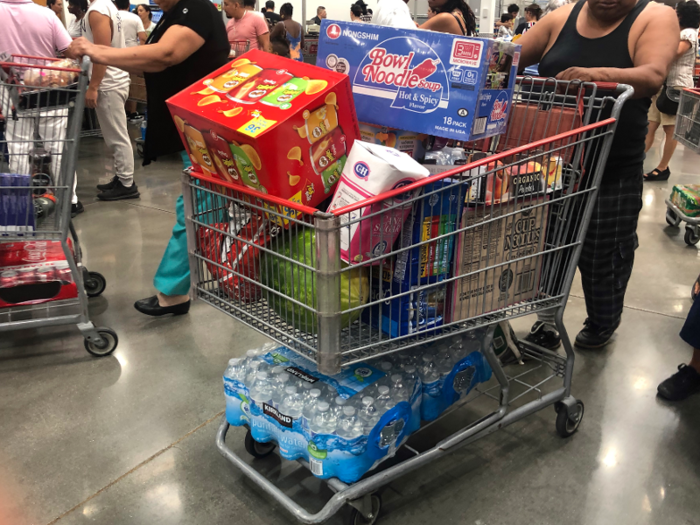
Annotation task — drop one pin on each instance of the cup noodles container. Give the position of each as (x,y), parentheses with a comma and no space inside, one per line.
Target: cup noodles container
(423,81)
(369,171)
(409,142)
(263,132)
(33,272)
(514,236)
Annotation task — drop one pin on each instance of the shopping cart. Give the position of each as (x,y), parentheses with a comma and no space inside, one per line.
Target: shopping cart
(238,47)
(517,246)
(687,132)
(310,50)
(137,93)
(41,108)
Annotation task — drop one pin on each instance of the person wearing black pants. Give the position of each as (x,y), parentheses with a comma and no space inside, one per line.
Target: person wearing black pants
(686,381)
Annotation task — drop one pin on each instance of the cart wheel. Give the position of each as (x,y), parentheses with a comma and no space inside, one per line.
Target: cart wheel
(672,219)
(691,238)
(358,519)
(104,347)
(257,450)
(95,284)
(568,422)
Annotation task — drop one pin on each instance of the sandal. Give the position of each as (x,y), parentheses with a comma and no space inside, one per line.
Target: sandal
(658,175)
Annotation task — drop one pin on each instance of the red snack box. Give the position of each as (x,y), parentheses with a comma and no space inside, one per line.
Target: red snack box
(33,272)
(272,124)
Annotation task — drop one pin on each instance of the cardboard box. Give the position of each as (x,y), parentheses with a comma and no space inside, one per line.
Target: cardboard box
(16,204)
(687,198)
(435,83)
(408,142)
(435,215)
(373,170)
(493,243)
(275,125)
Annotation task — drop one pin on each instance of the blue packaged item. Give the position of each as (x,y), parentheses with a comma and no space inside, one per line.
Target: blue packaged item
(16,205)
(353,392)
(436,83)
(436,214)
(439,395)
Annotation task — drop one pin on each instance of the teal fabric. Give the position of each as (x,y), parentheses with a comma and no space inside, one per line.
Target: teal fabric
(173,274)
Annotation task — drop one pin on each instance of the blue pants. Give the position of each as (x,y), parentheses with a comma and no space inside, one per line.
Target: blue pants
(173,274)
(691,329)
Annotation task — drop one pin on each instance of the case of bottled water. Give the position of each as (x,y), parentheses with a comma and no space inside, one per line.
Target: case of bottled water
(343,425)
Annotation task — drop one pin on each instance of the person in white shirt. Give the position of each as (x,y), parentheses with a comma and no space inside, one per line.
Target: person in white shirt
(144,13)
(77,8)
(393,13)
(134,32)
(107,93)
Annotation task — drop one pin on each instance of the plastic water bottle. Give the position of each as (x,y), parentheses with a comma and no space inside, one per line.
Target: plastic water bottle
(369,415)
(337,406)
(428,371)
(235,369)
(310,401)
(444,362)
(459,350)
(399,392)
(262,389)
(384,400)
(280,381)
(323,422)
(143,129)
(349,425)
(292,403)
(251,372)
(386,367)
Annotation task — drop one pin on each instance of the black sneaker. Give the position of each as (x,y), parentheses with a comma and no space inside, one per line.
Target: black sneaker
(680,385)
(544,335)
(119,192)
(594,336)
(108,186)
(76,209)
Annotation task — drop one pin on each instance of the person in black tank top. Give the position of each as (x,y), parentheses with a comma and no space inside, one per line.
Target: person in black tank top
(453,16)
(591,41)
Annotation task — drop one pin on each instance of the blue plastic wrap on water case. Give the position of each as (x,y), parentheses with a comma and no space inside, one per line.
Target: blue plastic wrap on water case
(328,455)
(424,81)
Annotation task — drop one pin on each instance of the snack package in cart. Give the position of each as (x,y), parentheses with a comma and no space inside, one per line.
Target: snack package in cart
(33,272)
(371,170)
(687,198)
(274,125)
(343,425)
(444,85)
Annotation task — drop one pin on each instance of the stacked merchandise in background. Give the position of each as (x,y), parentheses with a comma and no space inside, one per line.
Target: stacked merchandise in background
(343,425)
(435,83)
(437,214)
(275,125)
(33,272)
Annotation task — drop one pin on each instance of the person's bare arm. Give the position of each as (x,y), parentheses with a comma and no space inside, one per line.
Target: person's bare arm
(264,42)
(278,30)
(101,26)
(654,52)
(142,37)
(176,45)
(442,23)
(535,41)
(683,46)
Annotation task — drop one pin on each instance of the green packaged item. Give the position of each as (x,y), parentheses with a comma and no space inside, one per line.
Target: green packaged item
(687,198)
(283,95)
(295,282)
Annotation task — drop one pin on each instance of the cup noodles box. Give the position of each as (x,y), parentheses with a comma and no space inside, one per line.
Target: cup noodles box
(435,83)
(275,125)
(33,272)
(372,170)
(514,236)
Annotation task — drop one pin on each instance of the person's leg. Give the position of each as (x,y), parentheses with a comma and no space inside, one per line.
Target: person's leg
(669,147)
(53,132)
(651,132)
(607,257)
(686,381)
(113,124)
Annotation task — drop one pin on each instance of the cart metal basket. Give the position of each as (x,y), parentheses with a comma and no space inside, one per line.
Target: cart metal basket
(306,279)
(41,111)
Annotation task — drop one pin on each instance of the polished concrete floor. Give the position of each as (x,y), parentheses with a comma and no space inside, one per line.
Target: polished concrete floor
(129,439)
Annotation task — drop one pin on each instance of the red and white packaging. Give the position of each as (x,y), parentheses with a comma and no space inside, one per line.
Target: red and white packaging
(33,272)
(371,170)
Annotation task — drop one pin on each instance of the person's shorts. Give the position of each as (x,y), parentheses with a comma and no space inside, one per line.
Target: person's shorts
(655,115)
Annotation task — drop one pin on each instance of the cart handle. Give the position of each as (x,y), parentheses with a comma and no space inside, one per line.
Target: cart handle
(467,167)
(607,86)
(6,65)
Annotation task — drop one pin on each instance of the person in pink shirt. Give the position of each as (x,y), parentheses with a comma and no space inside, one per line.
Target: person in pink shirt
(27,28)
(245,26)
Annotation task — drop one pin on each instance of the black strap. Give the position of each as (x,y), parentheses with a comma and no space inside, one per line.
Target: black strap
(462,28)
